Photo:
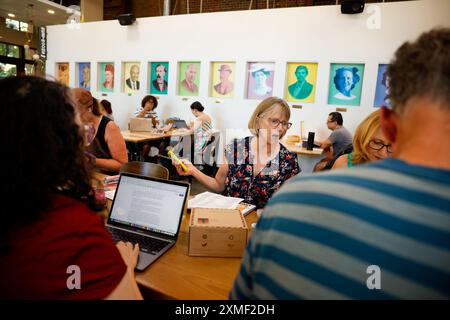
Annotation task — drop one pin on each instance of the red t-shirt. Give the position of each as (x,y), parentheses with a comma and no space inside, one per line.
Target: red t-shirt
(68,234)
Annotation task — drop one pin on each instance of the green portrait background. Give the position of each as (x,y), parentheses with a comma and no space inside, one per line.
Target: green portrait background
(356,90)
(182,75)
(102,78)
(153,76)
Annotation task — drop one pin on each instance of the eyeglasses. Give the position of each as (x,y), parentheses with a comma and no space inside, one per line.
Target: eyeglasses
(378,145)
(276,122)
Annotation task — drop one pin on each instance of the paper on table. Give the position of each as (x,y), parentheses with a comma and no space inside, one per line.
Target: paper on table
(213,200)
(110,194)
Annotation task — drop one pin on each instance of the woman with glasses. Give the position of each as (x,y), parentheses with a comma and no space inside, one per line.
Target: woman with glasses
(256,166)
(369,144)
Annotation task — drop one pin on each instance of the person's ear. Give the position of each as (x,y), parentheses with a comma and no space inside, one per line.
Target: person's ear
(389,124)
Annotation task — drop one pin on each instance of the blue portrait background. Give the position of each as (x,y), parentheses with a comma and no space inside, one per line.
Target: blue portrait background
(381,88)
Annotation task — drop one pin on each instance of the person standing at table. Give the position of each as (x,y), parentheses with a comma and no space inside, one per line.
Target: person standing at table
(52,245)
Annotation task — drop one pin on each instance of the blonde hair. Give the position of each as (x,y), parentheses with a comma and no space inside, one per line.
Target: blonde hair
(363,134)
(264,107)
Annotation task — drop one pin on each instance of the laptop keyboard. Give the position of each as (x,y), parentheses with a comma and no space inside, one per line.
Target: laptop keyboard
(149,244)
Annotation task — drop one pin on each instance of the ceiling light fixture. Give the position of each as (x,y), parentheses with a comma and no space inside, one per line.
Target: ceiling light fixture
(51,11)
(11,15)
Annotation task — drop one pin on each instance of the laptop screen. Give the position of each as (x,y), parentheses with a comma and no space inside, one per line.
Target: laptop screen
(152,205)
(180,124)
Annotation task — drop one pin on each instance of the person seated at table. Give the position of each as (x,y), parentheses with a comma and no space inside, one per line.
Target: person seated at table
(147,110)
(256,166)
(369,143)
(108,145)
(338,143)
(51,243)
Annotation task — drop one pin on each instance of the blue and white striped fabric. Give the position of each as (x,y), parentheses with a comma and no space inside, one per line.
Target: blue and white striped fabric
(148,114)
(320,233)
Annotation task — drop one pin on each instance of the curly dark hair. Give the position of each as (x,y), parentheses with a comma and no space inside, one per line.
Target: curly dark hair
(420,69)
(148,98)
(197,106)
(45,149)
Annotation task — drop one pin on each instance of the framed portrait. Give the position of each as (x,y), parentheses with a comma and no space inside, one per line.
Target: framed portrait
(301,80)
(382,87)
(62,72)
(260,77)
(188,78)
(158,77)
(106,76)
(83,75)
(345,85)
(222,79)
(131,76)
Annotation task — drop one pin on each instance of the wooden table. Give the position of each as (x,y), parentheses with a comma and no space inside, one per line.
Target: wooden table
(294,147)
(142,136)
(175,275)
(135,140)
(307,158)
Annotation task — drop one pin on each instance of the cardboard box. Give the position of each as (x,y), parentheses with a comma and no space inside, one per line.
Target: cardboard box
(217,233)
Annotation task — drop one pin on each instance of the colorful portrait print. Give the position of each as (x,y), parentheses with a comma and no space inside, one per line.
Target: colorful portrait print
(62,74)
(84,75)
(106,77)
(131,77)
(382,88)
(222,79)
(345,84)
(188,78)
(260,77)
(159,76)
(301,82)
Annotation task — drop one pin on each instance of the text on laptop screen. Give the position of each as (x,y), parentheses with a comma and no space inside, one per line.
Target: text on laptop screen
(150,205)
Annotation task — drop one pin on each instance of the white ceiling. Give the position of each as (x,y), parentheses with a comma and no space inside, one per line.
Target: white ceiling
(35,10)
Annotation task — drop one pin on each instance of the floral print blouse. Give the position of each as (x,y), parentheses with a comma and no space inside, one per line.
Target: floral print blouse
(256,190)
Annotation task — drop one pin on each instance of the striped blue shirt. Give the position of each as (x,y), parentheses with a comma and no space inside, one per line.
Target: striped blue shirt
(320,233)
(148,114)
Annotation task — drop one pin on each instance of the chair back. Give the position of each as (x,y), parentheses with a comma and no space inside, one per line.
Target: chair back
(146,169)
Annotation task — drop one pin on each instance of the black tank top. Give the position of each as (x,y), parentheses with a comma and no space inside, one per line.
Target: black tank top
(99,147)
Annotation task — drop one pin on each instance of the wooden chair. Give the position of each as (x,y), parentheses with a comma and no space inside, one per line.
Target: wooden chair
(146,169)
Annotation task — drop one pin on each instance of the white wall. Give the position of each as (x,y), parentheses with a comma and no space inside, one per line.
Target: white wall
(317,34)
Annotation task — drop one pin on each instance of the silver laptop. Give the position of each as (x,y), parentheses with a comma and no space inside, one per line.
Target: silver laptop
(179,124)
(141,124)
(147,211)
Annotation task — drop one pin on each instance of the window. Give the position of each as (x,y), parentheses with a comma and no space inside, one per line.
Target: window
(9,50)
(16,25)
(23,26)
(7,70)
(12,24)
